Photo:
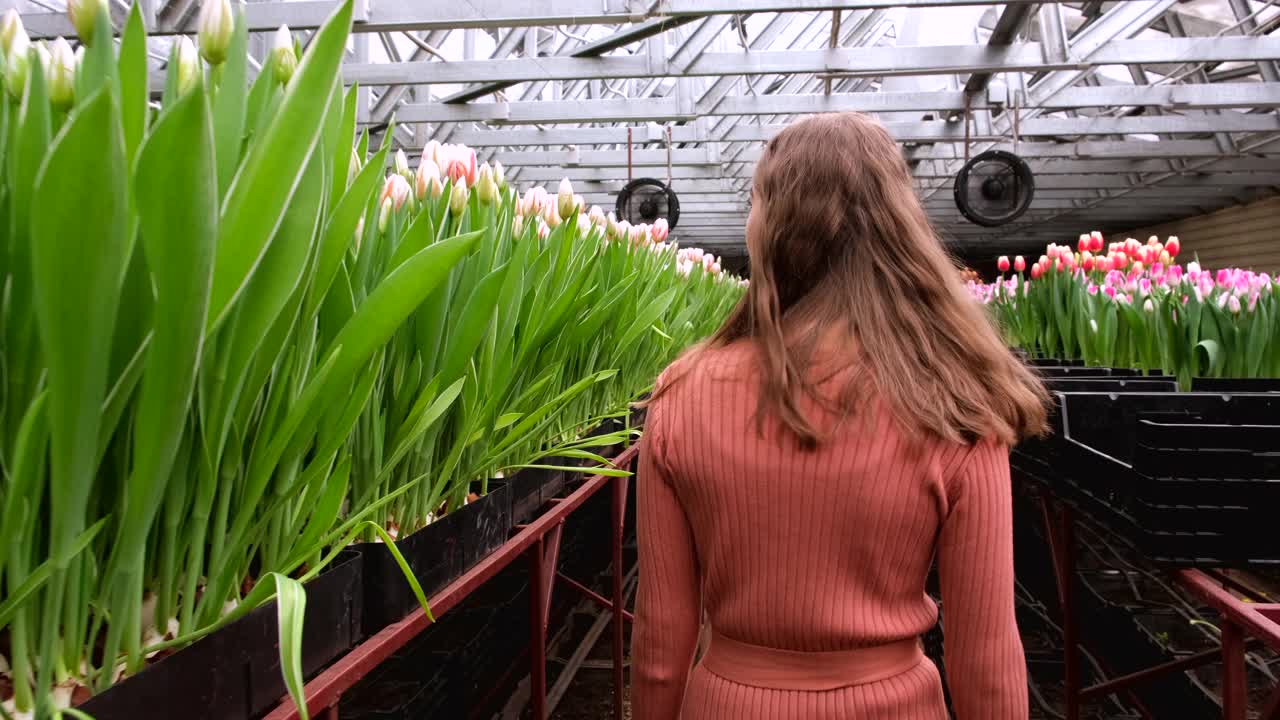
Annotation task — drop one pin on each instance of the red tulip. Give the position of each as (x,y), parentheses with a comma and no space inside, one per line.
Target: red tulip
(1036,271)
(1003,263)
(1085,243)
(1019,263)
(1095,242)
(1087,261)
(1173,246)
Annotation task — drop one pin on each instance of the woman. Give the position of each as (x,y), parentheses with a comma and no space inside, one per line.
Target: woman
(801,470)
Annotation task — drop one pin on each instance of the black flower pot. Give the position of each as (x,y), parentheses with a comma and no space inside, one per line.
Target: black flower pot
(234,673)
(437,554)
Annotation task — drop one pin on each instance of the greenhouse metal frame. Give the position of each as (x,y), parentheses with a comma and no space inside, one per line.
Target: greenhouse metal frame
(687,90)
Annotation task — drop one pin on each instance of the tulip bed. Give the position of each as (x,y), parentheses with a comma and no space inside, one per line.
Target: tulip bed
(1134,306)
(217,374)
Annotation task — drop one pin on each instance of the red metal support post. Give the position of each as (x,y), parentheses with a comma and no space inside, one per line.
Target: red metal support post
(537,632)
(1235,702)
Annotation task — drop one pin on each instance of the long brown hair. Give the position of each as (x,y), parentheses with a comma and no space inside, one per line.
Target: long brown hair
(838,240)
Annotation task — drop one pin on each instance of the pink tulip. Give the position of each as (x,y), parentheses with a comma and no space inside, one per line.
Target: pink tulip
(1092,289)
(1019,264)
(1233,304)
(1173,246)
(1095,244)
(660,230)
(1253,300)
(1003,263)
(396,188)
(1224,278)
(1144,287)
(1087,261)
(1036,271)
(1085,243)
(1110,291)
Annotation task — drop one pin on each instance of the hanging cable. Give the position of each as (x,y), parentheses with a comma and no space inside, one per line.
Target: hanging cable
(668,156)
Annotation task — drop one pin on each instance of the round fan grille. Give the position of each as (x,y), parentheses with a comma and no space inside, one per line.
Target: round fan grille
(644,200)
(994,188)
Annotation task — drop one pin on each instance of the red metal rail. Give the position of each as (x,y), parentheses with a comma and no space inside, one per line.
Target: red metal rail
(1245,625)
(539,542)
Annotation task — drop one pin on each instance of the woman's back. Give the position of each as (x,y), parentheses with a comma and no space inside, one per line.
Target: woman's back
(816,553)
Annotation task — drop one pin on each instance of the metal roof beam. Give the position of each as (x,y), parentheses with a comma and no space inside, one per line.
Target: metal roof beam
(398,15)
(927,131)
(1202,96)
(914,60)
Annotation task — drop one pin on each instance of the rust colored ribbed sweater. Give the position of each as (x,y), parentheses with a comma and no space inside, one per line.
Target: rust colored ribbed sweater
(816,551)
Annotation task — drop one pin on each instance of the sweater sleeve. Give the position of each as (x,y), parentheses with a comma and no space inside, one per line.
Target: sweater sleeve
(668,604)
(985,666)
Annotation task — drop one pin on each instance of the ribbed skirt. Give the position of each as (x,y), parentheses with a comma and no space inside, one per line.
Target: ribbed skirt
(913,695)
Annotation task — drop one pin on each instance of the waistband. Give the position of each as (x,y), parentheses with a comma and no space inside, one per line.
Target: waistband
(776,669)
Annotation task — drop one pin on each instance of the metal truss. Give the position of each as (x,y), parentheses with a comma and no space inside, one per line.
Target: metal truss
(1130,112)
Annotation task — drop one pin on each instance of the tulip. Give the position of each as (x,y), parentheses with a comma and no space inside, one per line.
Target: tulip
(286,58)
(1003,263)
(1253,300)
(1193,266)
(517,225)
(624,230)
(1110,291)
(1137,267)
(384,213)
(596,216)
(1233,304)
(397,189)
(431,151)
(486,188)
(62,75)
(188,61)
(1173,246)
(1153,240)
(427,170)
(214,29)
(10,28)
(1058,265)
(1088,261)
(458,199)
(359,231)
(499,175)
(1036,271)
(84,16)
(18,67)
(1085,242)
(459,162)
(584,225)
(44,56)
(1095,242)
(611,225)
(543,231)
(1091,288)
(402,164)
(353,166)
(565,202)
(1019,263)
(661,230)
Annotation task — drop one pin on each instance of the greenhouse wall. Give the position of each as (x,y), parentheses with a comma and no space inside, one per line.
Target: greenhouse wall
(1244,236)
